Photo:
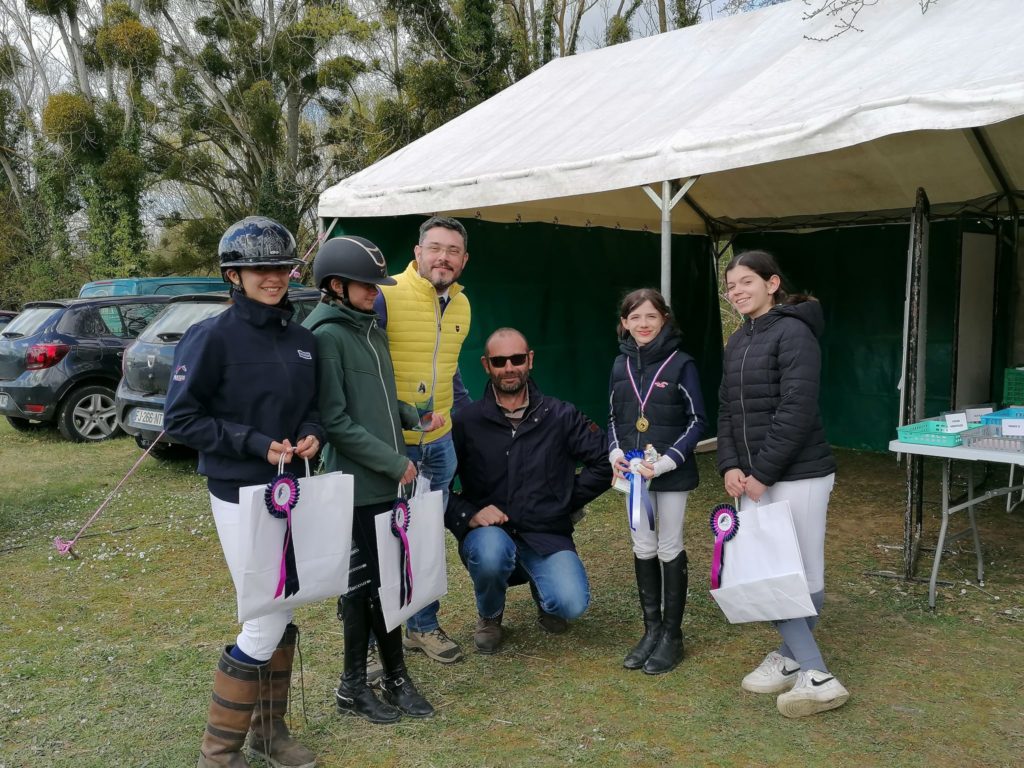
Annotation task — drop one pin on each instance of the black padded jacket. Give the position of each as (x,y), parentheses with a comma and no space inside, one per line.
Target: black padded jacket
(769,425)
(675,408)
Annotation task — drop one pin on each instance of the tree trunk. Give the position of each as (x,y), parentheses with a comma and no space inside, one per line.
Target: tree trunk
(546,32)
(75,52)
(292,122)
(12,179)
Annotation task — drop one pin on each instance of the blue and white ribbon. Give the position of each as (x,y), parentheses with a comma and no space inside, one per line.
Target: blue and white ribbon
(638,499)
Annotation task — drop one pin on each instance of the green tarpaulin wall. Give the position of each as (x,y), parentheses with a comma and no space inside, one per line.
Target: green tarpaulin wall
(859,275)
(561,286)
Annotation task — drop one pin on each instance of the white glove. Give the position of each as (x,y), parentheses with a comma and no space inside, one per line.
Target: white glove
(664,464)
(615,455)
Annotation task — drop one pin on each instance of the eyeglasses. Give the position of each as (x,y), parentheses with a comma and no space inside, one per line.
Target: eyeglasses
(499,361)
(434,249)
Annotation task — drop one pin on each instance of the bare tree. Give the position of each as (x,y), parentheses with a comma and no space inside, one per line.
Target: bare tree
(843,12)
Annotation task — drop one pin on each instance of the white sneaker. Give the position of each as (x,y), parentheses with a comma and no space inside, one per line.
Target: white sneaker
(776,673)
(814,692)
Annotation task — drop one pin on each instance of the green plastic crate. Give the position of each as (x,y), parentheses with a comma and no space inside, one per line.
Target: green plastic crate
(1013,386)
(930,432)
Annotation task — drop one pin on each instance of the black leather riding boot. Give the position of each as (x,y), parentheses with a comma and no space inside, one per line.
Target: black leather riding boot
(354,696)
(648,582)
(398,687)
(669,651)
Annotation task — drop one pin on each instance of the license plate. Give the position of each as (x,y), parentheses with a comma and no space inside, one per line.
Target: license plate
(149,418)
(3,399)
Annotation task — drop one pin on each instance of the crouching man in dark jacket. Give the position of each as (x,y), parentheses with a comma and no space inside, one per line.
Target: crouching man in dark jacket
(517,454)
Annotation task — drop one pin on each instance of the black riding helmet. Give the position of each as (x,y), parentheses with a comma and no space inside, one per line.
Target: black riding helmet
(350,258)
(256,241)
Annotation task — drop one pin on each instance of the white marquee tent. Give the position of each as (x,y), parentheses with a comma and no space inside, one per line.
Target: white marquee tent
(752,121)
(775,122)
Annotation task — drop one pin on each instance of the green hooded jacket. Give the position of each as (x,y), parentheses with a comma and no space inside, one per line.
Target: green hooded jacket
(359,407)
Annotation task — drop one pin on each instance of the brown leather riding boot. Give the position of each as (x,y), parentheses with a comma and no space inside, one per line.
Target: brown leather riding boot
(268,735)
(235,691)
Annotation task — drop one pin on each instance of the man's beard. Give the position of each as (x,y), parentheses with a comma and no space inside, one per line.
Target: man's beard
(510,388)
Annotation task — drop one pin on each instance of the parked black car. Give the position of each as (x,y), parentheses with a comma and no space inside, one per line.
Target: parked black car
(5,317)
(148,362)
(60,362)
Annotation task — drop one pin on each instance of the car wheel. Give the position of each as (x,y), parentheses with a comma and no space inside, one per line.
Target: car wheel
(88,414)
(26,425)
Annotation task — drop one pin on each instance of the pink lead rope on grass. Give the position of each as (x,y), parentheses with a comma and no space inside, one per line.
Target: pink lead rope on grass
(67,547)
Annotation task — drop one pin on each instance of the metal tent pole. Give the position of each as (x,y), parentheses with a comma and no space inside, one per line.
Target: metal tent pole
(666,201)
(914,375)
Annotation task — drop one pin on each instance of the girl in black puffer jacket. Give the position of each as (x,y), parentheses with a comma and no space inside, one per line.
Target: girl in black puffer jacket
(772,447)
(656,400)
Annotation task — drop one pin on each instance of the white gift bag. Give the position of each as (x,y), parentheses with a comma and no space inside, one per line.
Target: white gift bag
(763,574)
(322,538)
(425,535)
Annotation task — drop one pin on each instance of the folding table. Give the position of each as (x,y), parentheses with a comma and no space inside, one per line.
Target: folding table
(969,455)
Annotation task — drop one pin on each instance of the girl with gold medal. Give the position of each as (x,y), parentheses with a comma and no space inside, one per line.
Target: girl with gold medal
(657,417)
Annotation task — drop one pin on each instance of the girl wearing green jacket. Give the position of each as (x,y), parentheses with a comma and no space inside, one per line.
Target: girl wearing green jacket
(363,419)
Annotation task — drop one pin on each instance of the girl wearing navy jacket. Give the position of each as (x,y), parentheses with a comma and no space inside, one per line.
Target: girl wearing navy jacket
(656,400)
(243,394)
(772,447)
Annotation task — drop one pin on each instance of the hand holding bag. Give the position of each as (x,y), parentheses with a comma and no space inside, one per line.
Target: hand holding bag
(319,530)
(411,553)
(762,573)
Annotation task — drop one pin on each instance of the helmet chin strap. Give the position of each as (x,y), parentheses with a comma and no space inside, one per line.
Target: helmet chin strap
(344,299)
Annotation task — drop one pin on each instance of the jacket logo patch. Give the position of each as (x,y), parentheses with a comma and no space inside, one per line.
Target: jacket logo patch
(304,354)
(422,388)
(179,373)
(458,329)
(661,384)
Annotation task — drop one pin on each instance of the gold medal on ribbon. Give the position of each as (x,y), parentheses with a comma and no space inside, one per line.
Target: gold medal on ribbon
(642,424)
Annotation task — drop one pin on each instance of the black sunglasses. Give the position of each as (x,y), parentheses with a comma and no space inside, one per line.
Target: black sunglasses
(499,361)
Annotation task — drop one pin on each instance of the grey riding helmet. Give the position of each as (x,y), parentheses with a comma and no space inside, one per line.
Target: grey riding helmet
(350,258)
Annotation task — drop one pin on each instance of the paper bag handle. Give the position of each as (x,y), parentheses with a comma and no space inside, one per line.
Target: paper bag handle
(280,466)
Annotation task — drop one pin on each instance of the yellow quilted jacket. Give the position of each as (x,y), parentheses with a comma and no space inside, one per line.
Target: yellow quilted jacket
(425,345)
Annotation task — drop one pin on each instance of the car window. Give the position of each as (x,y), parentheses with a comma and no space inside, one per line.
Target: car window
(126,321)
(177,289)
(83,322)
(115,326)
(94,291)
(137,316)
(178,318)
(29,321)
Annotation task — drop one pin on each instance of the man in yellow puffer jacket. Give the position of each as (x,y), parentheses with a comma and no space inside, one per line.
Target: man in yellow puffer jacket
(427,318)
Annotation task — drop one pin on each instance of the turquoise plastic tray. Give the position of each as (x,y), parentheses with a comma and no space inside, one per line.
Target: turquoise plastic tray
(929,432)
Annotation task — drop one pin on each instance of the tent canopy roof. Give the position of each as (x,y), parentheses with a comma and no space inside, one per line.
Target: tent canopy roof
(776,122)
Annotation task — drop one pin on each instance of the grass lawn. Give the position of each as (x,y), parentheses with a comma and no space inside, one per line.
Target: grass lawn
(107,660)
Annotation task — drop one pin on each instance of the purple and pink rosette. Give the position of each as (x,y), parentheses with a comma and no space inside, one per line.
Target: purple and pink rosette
(281,496)
(400,521)
(725,522)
